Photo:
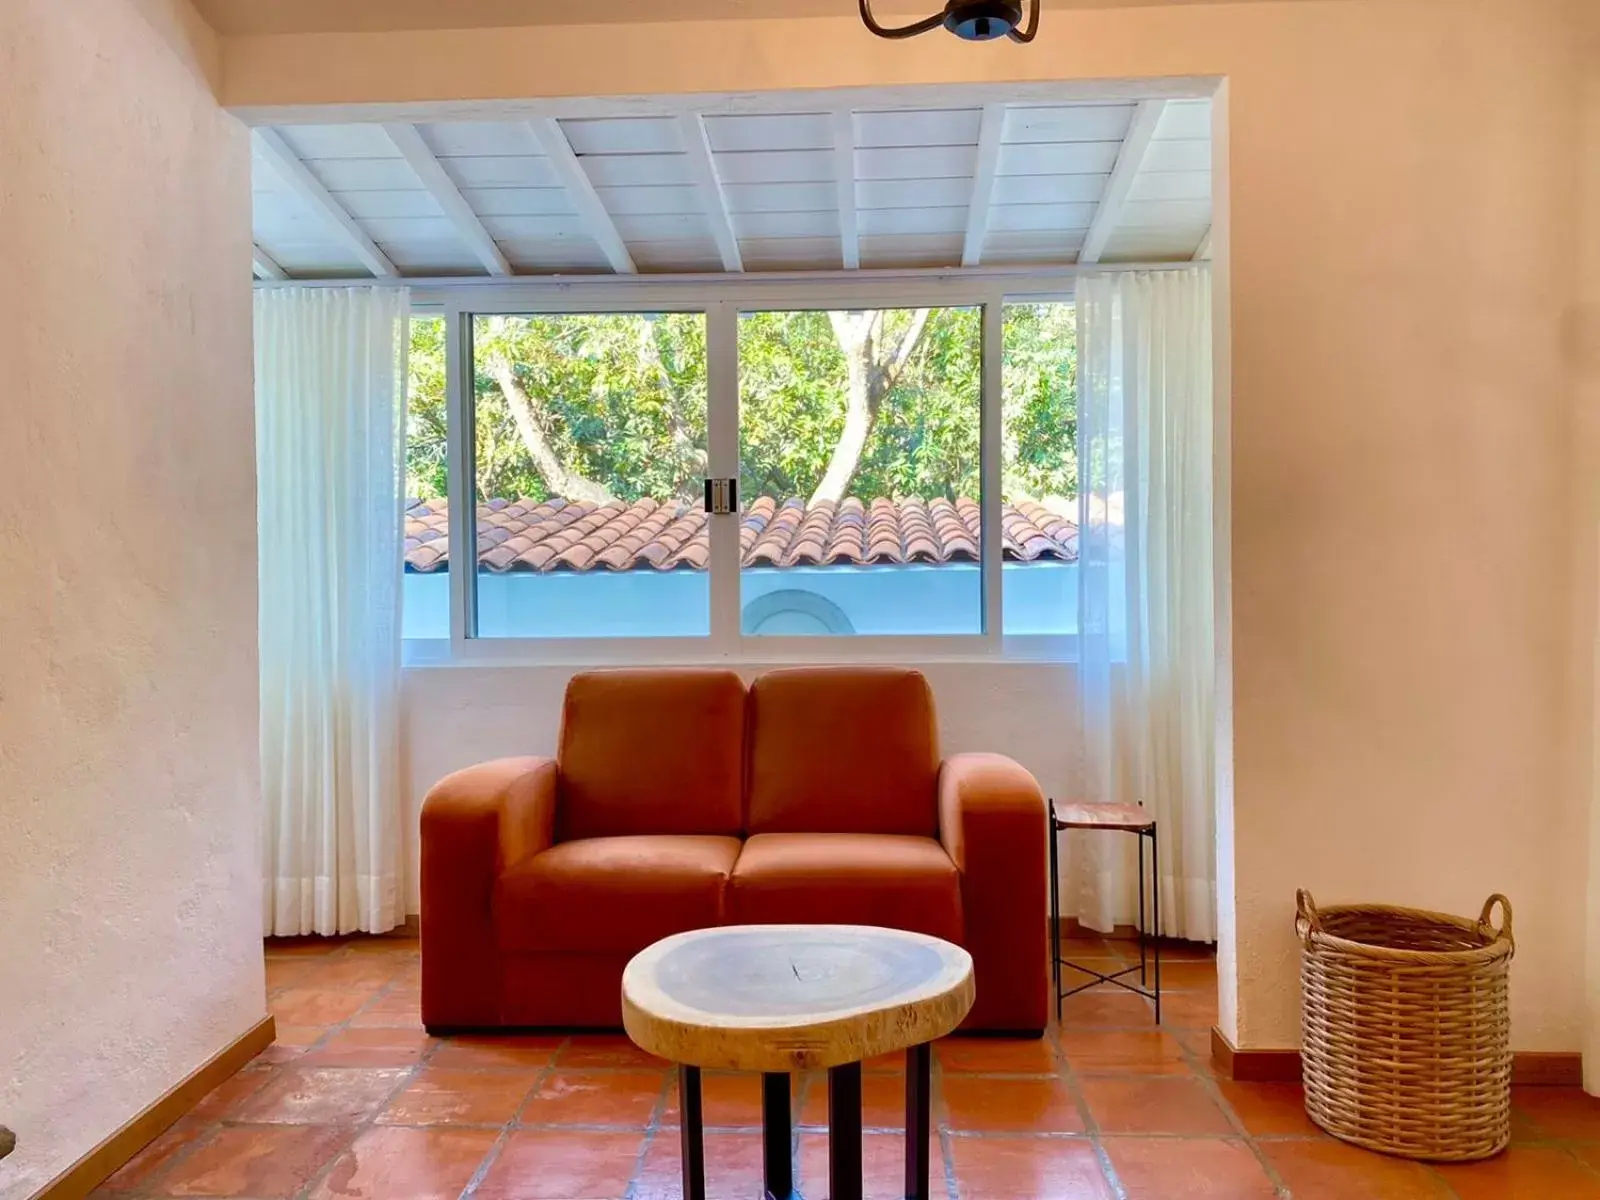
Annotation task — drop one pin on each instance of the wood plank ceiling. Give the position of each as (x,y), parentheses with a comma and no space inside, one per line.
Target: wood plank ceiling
(809,189)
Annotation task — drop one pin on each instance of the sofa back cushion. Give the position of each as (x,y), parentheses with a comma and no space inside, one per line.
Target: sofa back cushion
(651,751)
(842,750)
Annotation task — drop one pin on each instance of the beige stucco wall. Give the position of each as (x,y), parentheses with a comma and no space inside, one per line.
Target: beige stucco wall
(1402,471)
(129,847)
(1583,345)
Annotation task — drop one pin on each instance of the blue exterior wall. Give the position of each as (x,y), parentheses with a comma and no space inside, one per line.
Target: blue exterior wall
(1039,598)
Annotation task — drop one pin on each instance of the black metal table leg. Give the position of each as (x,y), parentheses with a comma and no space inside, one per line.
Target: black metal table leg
(692,1131)
(1055,911)
(919,1064)
(844,1132)
(1155,888)
(777,1162)
(1142,980)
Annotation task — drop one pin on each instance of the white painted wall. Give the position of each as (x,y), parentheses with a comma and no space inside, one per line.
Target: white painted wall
(130,922)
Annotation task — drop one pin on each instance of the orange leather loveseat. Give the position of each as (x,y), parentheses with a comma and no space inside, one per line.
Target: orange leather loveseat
(680,799)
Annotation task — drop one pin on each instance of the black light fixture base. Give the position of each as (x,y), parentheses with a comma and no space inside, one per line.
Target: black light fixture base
(982,20)
(970,20)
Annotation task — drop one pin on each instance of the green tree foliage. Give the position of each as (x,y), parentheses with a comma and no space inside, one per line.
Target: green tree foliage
(612,405)
(427,468)
(1040,386)
(794,392)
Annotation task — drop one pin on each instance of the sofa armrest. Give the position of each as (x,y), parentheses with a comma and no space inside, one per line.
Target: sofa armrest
(993,824)
(475,823)
(493,814)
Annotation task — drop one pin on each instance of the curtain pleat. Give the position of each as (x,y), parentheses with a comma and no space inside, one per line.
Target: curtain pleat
(1146,639)
(330,431)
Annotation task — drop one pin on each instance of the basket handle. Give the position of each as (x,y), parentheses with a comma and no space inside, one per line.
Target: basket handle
(1504,931)
(1307,919)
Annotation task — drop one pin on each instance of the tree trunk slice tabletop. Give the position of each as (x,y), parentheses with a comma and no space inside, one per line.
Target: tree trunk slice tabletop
(784,998)
(793,997)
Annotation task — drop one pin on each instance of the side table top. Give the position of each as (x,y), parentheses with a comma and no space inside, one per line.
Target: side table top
(793,997)
(1104,816)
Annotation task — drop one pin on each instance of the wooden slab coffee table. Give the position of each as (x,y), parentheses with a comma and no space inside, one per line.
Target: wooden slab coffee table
(783,998)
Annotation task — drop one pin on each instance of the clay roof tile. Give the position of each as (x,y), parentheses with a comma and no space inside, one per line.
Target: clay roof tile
(561,535)
(696,555)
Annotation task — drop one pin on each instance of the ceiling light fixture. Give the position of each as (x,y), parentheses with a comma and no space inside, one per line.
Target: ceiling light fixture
(972,20)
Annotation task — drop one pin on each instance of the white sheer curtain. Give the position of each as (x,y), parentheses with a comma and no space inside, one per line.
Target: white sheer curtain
(330,473)
(1146,661)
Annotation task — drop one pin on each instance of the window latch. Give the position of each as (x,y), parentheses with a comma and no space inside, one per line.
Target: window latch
(722,496)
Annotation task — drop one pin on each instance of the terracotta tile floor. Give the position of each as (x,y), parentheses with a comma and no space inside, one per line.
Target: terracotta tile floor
(357,1102)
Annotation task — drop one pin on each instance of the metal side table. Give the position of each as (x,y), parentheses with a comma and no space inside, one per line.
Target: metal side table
(1123,818)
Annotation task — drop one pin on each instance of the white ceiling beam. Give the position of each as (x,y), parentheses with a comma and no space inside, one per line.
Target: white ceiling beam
(844,173)
(443,189)
(298,178)
(551,139)
(1202,252)
(266,267)
(989,137)
(1129,159)
(697,144)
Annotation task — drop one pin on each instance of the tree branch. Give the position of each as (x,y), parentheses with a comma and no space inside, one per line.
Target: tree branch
(568,484)
(908,345)
(872,375)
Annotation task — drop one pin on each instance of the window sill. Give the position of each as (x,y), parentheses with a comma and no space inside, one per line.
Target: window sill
(418,653)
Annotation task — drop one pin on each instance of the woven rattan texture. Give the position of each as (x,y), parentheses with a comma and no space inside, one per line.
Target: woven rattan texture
(1406,1028)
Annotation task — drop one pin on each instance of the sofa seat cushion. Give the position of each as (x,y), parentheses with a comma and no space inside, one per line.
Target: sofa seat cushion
(614,893)
(894,880)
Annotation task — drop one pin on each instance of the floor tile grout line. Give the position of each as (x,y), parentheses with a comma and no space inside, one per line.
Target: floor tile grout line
(181,1156)
(371,1121)
(652,1130)
(357,1128)
(1567,1146)
(343,1026)
(939,1119)
(1564,1145)
(1442,1185)
(217,1125)
(802,1096)
(1189,1055)
(549,1069)
(383,989)
(1147,1135)
(584,1070)
(490,1158)
(513,1124)
(1022,1135)
(1213,1090)
(1091,1125)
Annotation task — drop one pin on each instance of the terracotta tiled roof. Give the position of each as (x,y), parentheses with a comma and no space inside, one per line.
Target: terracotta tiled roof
(562,535)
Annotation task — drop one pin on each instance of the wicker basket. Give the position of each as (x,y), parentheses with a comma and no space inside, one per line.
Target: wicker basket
(1405,1028)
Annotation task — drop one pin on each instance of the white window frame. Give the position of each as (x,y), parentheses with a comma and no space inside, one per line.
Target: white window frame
(722,298)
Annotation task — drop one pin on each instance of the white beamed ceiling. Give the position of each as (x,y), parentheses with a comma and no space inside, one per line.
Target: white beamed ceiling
(914,189)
